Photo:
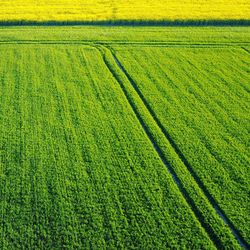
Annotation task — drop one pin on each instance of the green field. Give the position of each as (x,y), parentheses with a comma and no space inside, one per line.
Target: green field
(124,138)
(202,98)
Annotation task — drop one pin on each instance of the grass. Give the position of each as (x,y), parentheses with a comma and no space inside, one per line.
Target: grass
(85,162)
(72,176)
(65,10)
(202,100)
(127,35)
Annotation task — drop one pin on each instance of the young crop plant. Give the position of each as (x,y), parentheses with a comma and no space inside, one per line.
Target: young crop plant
(200,101)
(123,138)
(74,177)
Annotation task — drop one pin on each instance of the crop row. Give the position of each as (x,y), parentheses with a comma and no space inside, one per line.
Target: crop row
(201,98)
(126,35)
(77,169)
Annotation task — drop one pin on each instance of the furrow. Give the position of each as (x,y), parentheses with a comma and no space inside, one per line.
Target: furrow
(246,50)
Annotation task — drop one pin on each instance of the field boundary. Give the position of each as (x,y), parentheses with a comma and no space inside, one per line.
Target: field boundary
(135,22)
(134,44)
(181,156)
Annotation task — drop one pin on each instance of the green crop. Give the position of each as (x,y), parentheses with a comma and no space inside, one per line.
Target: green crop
(110,135)
(201,98)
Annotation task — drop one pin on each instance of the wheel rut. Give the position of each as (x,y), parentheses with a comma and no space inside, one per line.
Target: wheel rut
(176,179)
(246,50)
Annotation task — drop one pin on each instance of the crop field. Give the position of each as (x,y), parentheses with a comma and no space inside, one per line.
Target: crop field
(93,10)
(202,97)
(121,138)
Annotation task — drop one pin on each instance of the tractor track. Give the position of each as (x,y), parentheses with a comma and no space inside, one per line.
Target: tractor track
(184,160)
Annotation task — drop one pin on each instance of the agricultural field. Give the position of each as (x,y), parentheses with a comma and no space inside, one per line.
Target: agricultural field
(93,10)
(124,138)
(200,100)
(77,169)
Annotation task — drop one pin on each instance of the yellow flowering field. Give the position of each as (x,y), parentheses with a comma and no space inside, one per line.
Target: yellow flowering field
(90,10)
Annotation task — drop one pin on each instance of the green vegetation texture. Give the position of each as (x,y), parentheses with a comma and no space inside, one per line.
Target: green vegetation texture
(201,97)
(85,162)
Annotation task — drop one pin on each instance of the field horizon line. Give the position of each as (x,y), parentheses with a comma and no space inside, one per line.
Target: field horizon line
(169,23)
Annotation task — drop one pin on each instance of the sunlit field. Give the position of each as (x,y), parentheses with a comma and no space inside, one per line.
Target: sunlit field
(93,10)
(124,124)
(112,140)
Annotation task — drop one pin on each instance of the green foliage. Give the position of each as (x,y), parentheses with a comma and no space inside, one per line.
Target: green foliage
(77,168)
(201,97)
(79,171)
